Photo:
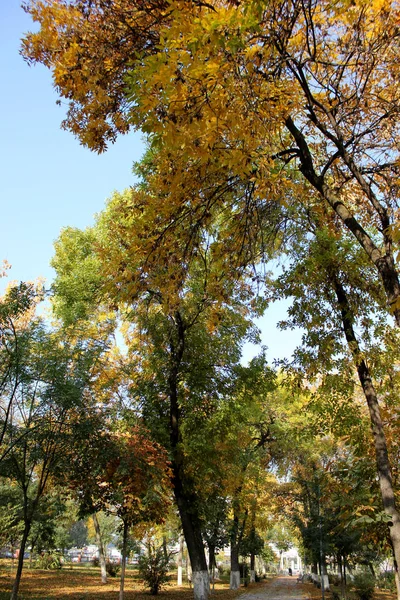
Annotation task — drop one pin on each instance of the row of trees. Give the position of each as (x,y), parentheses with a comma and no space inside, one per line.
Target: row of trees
(307,176)
(229,429)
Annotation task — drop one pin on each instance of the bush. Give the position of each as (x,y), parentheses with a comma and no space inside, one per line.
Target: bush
(95,561)
(222,570)
(386,581)
(112,569)
(153,569)
(334,579)
(364,585)
(49,560)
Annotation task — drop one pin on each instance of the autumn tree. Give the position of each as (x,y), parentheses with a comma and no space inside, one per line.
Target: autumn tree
(46,406)
(323,84)
(341,307)
(182,347)
(317,89)
(136,484)
(17,332)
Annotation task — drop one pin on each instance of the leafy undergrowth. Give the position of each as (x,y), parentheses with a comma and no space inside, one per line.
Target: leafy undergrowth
(313,593)
(81,583)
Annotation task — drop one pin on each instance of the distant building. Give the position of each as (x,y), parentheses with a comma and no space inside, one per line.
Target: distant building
(289,559)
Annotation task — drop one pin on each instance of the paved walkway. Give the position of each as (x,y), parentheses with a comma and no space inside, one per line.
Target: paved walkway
(279,588)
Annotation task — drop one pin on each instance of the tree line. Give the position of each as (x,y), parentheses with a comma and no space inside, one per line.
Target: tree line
(305,179)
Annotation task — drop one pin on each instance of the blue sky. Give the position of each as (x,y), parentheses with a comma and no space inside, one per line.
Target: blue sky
(49,181)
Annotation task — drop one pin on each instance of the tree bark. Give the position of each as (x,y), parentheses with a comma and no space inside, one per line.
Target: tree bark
(342,577)
(17,581)
(211,563)
(235,567)
(99,541)
(123,560)
(252,567)
(381,451)
(397,580)
(183,492)
(102,556)
(180,560)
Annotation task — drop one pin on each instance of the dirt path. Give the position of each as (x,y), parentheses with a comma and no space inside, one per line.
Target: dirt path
(279,588)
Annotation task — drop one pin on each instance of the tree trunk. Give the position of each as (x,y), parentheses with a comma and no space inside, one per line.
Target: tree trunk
(397,581)
(342,576)
(17,581)
(123,560)
(164,547)
(235,567)
(381,451)
(99,541)
(184,494)
(180,560)
(252,567)
(194,543)
(211,562)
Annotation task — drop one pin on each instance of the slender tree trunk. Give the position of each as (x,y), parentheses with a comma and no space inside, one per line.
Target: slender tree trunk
(253,537)
(164,547)
(99,541)
(345,572)
(342,576)
(17,581)
(235,549)
(381,451)
(211,560)
(123,560)
(180,560)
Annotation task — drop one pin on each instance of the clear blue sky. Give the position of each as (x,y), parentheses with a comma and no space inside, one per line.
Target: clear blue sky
(49,181)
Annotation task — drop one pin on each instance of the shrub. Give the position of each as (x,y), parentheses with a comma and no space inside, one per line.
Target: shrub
(95,561)
(112,569)
(49,560)
(222,570)
(334,579)
(386,581)
(364,585)
(153,569)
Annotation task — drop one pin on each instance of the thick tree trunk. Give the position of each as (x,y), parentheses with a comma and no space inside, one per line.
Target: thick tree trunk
(236,540)
(123,560)
(194,543)
(397,580)
(235,567)
(252,567)
(184,495)
(99,542)
(381,451)
(17,581)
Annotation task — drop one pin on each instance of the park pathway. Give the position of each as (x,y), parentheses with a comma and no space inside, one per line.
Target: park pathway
(279,588)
